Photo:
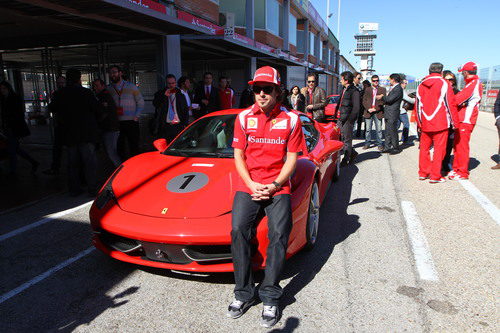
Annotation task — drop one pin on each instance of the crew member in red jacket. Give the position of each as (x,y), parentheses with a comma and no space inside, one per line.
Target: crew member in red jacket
(468,108)
(436,111)
(227,99)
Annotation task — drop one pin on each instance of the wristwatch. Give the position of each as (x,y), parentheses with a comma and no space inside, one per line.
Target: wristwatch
(278,186)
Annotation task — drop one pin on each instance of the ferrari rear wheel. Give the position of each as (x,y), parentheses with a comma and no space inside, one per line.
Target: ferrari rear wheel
(312,218)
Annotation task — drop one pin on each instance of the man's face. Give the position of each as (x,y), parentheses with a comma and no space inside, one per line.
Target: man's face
(342,81)
(97,86)
(311,82)
(375,82)
(60,82)
(187,84)
(223,83)
(171,83)
(208,79)
(392,82)
(404,83)
(115,74)
(268,100)
(357,79)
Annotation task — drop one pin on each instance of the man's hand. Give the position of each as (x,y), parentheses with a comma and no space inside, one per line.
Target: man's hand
(372,110)
(259,191)
(379,97)
(309,107)
(204,101)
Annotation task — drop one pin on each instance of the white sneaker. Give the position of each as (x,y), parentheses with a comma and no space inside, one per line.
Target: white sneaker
(270,316)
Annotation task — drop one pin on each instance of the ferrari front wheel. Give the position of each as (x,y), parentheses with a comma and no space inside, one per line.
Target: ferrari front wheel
(312,218)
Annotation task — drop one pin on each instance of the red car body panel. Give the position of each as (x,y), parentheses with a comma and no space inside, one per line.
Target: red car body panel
(146,211)
(330,107)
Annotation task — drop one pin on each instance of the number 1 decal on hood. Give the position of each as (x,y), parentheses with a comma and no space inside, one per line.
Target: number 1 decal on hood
(188,182)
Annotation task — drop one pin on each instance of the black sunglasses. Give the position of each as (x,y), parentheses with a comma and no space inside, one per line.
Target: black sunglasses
(374,80)
(267,89)
(311,81)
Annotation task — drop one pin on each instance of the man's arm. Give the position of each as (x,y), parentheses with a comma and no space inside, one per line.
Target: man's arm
(452,106)
(367,99)
(322,100)
(496,108)
(257,189)
(139,102)
(408,98)
(285,173)
(356,106)
(394,96)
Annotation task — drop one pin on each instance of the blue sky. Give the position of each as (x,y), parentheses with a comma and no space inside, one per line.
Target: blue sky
(415,33)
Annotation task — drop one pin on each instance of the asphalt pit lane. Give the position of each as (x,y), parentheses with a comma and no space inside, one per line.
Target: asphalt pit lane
(411,292)
(442,306)
(387,209)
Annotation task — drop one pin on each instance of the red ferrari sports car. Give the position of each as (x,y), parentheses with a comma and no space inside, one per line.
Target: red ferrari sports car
(331,106)
(172,208)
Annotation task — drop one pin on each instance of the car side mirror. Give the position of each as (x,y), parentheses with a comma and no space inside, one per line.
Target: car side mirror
(160,145)
(331,146)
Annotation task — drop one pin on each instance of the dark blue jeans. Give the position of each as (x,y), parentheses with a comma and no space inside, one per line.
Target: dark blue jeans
(82,157)
(244,223)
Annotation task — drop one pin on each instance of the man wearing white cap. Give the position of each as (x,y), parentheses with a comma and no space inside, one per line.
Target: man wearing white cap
(267,140)
(468,108)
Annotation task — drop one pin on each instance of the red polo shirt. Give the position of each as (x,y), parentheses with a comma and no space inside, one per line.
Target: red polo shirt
(265,141)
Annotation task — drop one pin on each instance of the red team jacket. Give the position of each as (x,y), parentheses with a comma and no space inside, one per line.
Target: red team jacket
(468,100)
(435,105)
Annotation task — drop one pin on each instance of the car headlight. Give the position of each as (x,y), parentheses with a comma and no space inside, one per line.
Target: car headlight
(106,194)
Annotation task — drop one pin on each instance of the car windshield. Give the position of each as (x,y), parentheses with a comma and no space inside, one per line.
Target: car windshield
(334,100)
(208,137)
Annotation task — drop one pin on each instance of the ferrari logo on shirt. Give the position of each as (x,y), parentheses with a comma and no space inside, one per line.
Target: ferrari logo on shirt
(252,123)
(279,124)
(164,211)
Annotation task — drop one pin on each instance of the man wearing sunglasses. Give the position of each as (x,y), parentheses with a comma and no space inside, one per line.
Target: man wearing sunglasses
(267,140)
(373,113)
(315,98)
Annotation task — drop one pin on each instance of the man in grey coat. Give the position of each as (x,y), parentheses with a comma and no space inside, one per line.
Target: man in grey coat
(315,98)
(392,107)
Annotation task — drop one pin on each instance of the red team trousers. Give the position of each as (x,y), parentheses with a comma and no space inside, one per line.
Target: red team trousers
(462,150)
(427,167)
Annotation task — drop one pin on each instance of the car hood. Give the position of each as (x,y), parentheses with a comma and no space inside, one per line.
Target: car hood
(157,185)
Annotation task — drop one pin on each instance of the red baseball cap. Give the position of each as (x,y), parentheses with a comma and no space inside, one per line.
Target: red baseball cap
(266,74)
(470,66)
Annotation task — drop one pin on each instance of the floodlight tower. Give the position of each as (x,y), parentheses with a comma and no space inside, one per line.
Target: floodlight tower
(364,47)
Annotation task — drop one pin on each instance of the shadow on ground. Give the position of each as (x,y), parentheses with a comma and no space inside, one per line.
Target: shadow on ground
(72,296)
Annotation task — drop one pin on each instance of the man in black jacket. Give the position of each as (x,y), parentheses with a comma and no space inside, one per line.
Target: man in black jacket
(392,109)
(496,110)
(77,110)
(172,111)
(348,108)
(206,96)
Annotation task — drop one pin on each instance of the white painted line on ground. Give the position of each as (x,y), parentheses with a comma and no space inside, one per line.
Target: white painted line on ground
(46,219)
(420,247)
(45,275)
(487,205)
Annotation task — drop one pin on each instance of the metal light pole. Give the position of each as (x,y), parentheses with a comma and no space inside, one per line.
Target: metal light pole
(327,12)
(338,22)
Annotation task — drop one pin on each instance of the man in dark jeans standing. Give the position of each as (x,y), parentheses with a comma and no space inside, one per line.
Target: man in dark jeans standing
(392,109)
(129,105)
(77,109)
(496,110)
(348,109)
(267,140)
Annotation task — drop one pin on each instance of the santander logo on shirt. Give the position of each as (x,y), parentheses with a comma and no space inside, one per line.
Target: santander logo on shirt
(277,141)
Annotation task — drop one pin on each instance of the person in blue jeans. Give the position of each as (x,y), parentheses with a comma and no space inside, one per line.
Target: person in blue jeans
(373,112)
(406,104)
